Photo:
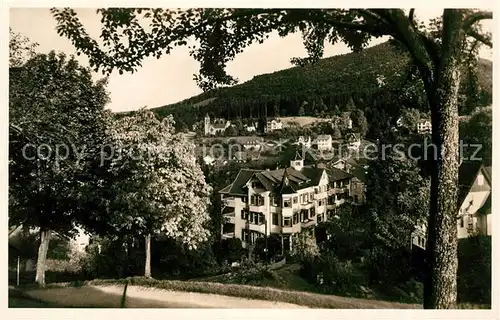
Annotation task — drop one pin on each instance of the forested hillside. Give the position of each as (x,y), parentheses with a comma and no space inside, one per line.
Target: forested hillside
(353,80)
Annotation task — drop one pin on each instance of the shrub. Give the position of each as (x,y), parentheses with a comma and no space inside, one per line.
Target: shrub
(474,270)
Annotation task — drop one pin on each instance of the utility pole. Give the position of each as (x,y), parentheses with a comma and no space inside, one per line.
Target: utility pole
(18,263)
(265,228)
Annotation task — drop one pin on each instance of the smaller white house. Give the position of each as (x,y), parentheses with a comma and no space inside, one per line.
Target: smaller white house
(353,140)
(274,124)
(399,122)
(474,200)
(252,145)
(349,123)
(252,127)
(424,127)
(305,141)
(209,160)
(324,142)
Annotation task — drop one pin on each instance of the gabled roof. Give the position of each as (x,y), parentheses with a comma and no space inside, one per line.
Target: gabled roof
(486,208)
(352,135)
(467,174)
(273,180)
(359,172)
(286,185)
(324,137)
(298,156)
(241,179)
(336,174)
(487,171)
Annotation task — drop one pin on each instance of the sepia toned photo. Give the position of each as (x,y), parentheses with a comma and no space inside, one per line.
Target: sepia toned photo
(250,158)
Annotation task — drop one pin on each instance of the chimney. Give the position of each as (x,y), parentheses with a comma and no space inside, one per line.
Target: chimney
(320,165)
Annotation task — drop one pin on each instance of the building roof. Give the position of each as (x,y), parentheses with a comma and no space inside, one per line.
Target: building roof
(337,174)
(487,171)
(324,137)
(243,176)
(359,172)
(467,174)
(486,208)
(353,136)
(283,181)
(298,156)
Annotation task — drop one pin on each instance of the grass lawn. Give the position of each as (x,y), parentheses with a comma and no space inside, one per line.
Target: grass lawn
(302,121)
(18,299)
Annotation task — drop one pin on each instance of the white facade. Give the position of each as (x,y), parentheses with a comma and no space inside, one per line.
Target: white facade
(424,127)
(260,212)
(306,142)
(353,141)
(470,220)
(250,128)
(324,142)
(274,124)
(213,128)
(252,145)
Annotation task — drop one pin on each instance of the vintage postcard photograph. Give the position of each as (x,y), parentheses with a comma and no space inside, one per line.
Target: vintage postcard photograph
(250,158)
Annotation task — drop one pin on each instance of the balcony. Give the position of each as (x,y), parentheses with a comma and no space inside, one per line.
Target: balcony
(322,195)
(308,223)
(320,209)
(307,204)
(333,191)
(257,208)
(287,229)
(296,228)
(228,235)
(287,212)
(229,217)
(229,202)
(256,227)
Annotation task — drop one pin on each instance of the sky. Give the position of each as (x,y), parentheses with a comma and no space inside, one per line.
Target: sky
(170,79)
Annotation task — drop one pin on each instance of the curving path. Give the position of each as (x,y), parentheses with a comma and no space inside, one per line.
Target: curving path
(142,297)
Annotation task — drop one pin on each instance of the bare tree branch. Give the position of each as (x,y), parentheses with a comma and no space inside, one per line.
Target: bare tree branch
(475,17)
(480,37)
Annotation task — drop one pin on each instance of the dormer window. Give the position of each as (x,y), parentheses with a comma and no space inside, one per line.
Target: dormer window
(480,180)
(287,203)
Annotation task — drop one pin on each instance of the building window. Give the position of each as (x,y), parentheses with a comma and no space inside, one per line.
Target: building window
(480,179)
(275,219)
(312,212)
(304,215)
(461,222)
(320,202)
(295,200)
(320,217)
(276,203)
(256,200)
(287,203)
(306,197)
(295,218)
(244,215)
(311,196)
(246,235)
(287,222)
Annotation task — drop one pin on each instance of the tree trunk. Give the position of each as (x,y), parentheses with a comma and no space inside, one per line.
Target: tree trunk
(147,267)
(440,291)
(42,256)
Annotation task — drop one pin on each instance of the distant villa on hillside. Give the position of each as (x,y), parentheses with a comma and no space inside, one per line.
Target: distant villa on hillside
(274,124)
(217,126)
